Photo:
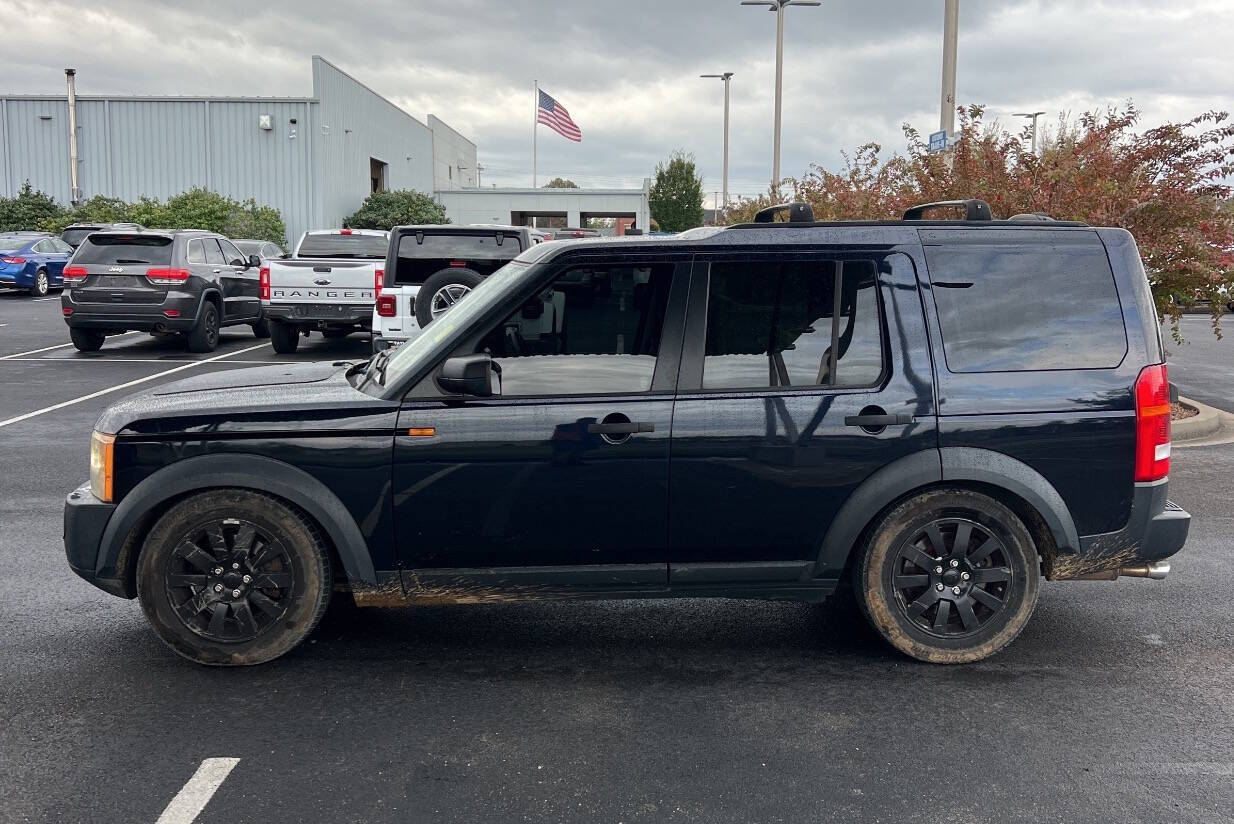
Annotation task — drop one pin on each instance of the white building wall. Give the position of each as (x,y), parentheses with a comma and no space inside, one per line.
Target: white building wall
(497,205)
(454,157)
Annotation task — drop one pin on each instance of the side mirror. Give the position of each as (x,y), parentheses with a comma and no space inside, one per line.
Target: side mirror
(254,262)
(470,375)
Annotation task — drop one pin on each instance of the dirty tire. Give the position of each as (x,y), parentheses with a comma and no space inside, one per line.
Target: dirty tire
(887,608)
(284,337)
(204,336)
(86,340)
(436,282)
(300,543)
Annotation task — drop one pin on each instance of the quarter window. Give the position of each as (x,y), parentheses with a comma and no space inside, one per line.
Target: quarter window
(195,253)
(1027,307)
(773,324)
(594,330)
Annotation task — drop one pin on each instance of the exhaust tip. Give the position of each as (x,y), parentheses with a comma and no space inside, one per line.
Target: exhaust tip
(1157,570)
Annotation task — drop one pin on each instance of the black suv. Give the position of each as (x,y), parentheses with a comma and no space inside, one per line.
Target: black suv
(185,282)
(935,413)
(74,234)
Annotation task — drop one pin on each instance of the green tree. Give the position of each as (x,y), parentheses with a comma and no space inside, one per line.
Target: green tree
(677,194)
(28,211)
(560,183)
(385,210)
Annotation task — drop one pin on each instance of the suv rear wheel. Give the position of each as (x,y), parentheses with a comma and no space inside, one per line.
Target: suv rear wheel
(85,340)
(284,337)
(204,337)
(232,577)
(949,576)
(441,290)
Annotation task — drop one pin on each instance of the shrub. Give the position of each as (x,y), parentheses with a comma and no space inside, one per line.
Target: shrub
(385,210)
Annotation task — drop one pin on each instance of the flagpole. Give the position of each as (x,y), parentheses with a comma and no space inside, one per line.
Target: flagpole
(535,117)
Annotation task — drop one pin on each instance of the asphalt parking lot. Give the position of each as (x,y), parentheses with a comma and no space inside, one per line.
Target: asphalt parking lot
(1115,704)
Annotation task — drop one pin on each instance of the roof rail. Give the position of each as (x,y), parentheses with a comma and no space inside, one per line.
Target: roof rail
(973,209)
(797,213)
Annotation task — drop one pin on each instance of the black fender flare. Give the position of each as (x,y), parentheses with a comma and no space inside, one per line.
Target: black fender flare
(117,560)
(201,304)
(933,466)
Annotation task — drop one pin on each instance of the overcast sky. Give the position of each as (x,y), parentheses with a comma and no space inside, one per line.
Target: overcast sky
(855,70)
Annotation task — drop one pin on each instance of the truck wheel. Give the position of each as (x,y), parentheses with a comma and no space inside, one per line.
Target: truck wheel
(949,576)
(41,284)
(284,337)
(261,329)
(204,337)
(233,577)
(441,291)
(85,340)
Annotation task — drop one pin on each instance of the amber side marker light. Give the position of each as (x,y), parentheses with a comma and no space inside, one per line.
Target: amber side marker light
(102,452)
(422,431)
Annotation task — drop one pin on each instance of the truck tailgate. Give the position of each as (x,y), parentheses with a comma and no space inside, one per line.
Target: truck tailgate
(323,281)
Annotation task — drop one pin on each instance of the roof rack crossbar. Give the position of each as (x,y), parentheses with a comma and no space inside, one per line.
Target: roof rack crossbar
(797,213)
(973,209)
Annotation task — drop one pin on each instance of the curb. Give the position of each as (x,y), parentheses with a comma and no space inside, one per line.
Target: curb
(1211,427)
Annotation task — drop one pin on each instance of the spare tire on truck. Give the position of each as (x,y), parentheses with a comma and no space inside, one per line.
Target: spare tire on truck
(443,289)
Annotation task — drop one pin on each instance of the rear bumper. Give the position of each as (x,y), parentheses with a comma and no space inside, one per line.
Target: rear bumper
(1156,529)
(85,520)
(321,314)
(16,280)
(144,317)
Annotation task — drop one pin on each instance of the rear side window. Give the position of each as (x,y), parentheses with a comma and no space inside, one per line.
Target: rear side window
(76,236)
(343,246)
(793,324)
(121,250)
(1020,307)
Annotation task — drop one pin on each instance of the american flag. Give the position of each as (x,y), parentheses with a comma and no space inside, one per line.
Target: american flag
(554,115)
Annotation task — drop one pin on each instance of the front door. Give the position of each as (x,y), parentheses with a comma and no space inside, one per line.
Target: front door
(563,479)
(801,375)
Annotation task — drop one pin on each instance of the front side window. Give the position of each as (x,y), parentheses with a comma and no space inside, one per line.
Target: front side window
(795,323)
(594,330)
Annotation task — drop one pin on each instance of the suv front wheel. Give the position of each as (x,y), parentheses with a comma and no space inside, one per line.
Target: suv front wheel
(949,576)
(231,577)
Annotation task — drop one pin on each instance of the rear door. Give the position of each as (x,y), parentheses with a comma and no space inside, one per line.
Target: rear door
(802,374)
(242,293)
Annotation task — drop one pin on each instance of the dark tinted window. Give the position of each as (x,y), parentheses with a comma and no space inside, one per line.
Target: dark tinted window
(484,247)
(75,236)
(769,324)
(343,246)
(124,249)
(595,330)
(1025,307)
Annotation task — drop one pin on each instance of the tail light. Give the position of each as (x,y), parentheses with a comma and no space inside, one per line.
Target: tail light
(13,261)
(263,282)
(458,263)
(344,231)
(66,311)
(379,277)
(1152,423)
(74,275)
(171,313)
(168,277)
(386,306)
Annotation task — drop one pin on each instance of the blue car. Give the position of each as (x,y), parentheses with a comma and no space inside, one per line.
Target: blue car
(33,261)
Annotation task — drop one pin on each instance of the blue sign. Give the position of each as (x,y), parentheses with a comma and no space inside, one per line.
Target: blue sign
(938,141)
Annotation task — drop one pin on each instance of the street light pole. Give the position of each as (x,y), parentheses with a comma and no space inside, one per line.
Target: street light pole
(1033,116)
(727,78)
(951,28)
(778,7)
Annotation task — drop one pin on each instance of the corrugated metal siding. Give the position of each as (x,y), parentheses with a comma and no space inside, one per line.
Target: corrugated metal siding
(129,147)
(358,124)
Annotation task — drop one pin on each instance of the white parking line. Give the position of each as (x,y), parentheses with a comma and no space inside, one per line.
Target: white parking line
(36,300)
(118,387)
(150,360)
(196,794)
(49,348)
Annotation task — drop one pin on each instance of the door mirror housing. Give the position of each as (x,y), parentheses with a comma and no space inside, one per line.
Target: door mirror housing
(254,262)
(470,375)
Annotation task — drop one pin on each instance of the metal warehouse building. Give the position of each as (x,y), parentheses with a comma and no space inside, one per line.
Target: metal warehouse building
(314,159)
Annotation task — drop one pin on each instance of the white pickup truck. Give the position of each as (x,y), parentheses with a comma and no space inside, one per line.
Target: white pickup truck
(330,283)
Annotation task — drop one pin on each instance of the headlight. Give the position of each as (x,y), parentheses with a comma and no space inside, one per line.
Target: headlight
(102,451)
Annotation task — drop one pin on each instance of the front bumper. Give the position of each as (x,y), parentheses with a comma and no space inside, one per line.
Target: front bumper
(85,519)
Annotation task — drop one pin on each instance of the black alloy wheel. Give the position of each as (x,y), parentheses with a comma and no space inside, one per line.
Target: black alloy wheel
(229,581)
(952,577)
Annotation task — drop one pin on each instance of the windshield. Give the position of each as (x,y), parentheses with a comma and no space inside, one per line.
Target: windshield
(74,237)
(343,246)
(494,289)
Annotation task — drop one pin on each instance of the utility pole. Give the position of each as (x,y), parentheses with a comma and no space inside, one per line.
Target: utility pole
(1033,116)
(778,7)
(727,78)
(951,23)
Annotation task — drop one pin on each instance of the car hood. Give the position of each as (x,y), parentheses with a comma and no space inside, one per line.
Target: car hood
(264,398)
